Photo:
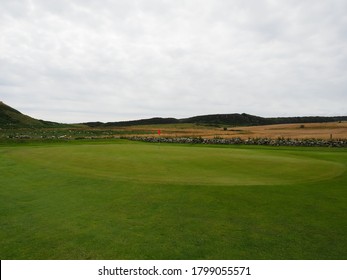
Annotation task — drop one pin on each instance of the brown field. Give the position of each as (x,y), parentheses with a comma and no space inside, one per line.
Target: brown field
(335,130)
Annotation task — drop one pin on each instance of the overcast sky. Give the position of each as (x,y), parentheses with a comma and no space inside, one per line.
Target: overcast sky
(108,60)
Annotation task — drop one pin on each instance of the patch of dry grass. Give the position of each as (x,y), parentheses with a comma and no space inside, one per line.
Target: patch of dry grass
(336,130)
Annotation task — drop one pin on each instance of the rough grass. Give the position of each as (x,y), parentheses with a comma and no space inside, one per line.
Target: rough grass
(125,200)
(336,130)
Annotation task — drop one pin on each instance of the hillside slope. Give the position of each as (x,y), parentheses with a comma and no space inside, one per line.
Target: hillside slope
(227,119)
(11,118)
(220,120)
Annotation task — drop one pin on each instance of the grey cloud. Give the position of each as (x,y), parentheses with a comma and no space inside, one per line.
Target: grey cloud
(110,60)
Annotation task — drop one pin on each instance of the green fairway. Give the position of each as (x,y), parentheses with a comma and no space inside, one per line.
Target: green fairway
(132,200)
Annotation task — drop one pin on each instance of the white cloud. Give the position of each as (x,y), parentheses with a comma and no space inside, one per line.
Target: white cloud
(92,60)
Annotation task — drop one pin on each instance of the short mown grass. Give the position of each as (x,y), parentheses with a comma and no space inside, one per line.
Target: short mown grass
(130,200)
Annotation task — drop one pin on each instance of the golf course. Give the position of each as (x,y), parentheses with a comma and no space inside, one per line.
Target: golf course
(120,199)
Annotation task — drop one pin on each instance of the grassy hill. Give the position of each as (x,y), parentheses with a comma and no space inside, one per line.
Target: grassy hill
(11,118)
(220,120)
(227,119)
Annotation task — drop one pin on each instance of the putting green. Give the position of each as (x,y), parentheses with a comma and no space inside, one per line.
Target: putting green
(176,164)
(116,199)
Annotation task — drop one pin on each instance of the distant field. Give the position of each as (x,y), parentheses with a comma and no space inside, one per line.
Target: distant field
(118,199)
(336,130)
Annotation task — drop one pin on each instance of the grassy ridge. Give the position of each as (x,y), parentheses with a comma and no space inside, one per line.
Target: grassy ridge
(220,120)
(121,200)
(13,119)
(10,118)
